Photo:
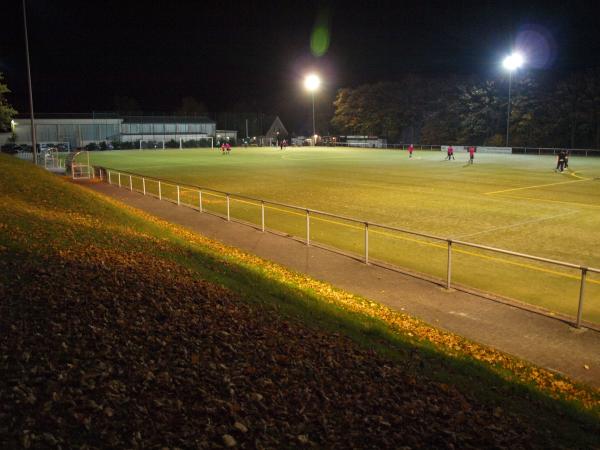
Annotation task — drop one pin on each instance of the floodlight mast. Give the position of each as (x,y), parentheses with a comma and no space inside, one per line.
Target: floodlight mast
(312,83)
(33,137)
(511,63)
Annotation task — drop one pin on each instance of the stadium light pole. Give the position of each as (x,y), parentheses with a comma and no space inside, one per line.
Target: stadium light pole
(312,83)
(511,63)
(33,140)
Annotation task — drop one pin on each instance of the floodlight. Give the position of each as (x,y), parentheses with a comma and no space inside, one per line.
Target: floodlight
(513,62)
(312,82)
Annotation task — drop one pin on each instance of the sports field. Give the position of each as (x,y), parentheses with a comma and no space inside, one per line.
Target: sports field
(515,202)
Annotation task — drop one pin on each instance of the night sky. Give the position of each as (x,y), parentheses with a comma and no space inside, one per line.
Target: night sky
(253,55)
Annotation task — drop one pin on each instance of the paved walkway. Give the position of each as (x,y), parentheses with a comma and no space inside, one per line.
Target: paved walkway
(544,341)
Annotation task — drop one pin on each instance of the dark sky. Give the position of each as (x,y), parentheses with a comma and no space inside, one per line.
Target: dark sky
(227,54)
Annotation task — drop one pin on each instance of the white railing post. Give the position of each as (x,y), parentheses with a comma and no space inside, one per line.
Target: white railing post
(130,183)
(119,179)
(200,200)
(144,185)
(581,295)
(228,217)
(159,191)
(307,227)
(366,242)
(262,213)
(109,179)
(449,270)
(178,201)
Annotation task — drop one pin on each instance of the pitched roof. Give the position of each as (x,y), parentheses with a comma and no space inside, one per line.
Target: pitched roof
(275,127)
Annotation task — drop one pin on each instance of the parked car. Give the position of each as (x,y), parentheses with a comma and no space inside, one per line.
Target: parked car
(11,148)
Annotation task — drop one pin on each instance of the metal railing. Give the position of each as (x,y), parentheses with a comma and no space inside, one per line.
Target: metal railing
(126,180)
(437,147)
(555,151)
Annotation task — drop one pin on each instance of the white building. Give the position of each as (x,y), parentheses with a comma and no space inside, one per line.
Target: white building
(80,130)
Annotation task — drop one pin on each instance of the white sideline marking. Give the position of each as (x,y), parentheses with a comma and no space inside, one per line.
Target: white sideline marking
(517,224)
(537,186)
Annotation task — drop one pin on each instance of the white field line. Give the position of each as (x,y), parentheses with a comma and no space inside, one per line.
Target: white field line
(518,224)
(547,200)
(536,186)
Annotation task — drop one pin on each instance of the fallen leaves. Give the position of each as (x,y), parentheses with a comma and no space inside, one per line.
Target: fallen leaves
(158,358)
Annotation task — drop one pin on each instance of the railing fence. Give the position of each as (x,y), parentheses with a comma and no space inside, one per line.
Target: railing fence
(214,206)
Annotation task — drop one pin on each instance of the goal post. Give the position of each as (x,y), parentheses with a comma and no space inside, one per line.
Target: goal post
(199,142)
(211,140)
(80,166)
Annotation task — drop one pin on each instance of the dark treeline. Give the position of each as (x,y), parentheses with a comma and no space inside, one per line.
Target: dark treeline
(546,110)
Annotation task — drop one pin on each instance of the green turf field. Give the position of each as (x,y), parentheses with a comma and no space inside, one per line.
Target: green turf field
(515,202)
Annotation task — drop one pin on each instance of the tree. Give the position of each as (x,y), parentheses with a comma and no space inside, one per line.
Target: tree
(370,109)
(481,111)
(440,121)
(592,102)
(544,111)
(532,121)
(395,110)
(7,112)
(190,107)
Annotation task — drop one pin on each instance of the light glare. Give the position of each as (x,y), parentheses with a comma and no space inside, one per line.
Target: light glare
(312,82)
(513,62)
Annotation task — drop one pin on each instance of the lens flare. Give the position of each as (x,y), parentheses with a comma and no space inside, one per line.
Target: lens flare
(539,45)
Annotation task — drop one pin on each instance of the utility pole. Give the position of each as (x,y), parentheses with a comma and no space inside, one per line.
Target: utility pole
(33,139)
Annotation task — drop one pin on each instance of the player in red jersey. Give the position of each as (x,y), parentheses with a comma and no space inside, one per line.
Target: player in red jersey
(411,148)
(471,154)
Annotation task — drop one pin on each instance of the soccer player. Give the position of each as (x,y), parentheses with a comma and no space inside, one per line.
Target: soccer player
(411,148)
(228,147)
(566,159)
(471,154)
(450,152)
(560,164)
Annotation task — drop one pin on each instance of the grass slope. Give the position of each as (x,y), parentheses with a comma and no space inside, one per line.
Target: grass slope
(117,329)
(514,202)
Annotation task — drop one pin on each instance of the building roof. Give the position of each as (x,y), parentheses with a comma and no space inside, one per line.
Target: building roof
(276,126)
(126,118)
(167,119)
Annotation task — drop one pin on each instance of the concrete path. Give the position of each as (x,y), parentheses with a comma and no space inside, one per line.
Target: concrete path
(544,341)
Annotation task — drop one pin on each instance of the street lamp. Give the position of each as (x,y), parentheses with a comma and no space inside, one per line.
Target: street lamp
(511,63)
(312,83)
